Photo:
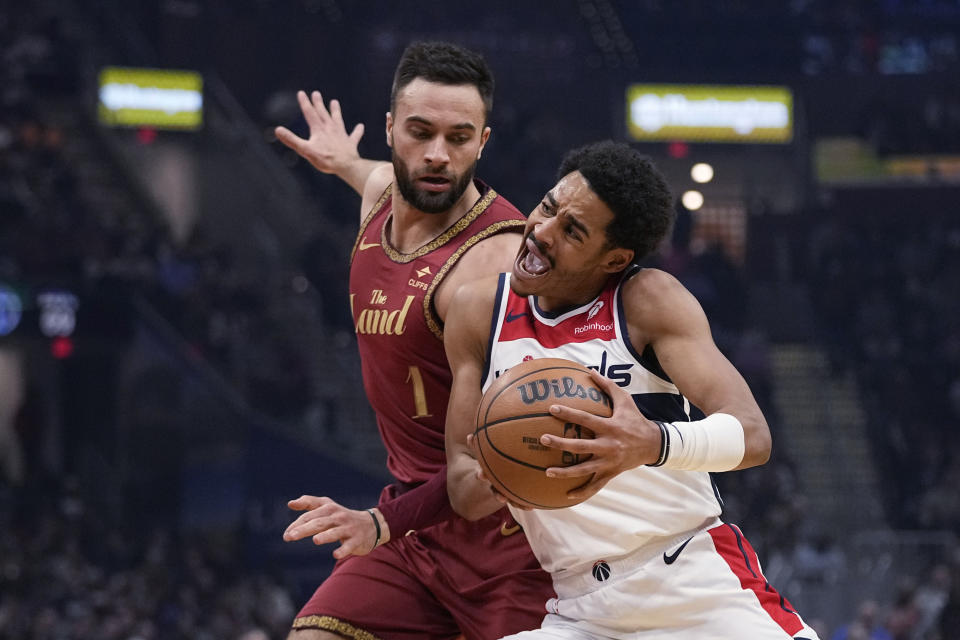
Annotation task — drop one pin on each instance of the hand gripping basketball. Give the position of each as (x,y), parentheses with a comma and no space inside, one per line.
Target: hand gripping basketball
(514,415)
(622,441)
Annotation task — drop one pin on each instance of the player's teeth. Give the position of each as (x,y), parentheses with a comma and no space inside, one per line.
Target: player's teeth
(534,264)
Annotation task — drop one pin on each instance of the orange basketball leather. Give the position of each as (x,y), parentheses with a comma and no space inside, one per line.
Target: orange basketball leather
(514,413)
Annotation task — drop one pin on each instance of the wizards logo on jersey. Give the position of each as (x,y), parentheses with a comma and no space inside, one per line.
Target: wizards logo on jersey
(618,373)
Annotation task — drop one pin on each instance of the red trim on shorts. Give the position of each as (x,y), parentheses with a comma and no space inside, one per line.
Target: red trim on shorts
(734,548)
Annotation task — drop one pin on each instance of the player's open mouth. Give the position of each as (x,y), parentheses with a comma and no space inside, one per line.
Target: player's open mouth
(531,262)
(433,183)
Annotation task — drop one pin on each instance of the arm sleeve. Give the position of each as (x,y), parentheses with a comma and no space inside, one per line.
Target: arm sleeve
(424,506)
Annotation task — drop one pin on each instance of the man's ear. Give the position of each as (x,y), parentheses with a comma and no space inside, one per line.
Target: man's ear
(389,129)
(484,136)
(618,259)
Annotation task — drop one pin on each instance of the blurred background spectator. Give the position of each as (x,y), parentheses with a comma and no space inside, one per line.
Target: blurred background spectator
(176,348)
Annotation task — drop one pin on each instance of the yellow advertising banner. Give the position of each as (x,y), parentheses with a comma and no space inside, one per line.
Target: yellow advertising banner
(161,98)
(710,113)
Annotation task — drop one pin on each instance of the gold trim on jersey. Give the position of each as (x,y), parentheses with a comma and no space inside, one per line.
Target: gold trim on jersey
(443,238)
(328,623)
(433,322)
(370,216)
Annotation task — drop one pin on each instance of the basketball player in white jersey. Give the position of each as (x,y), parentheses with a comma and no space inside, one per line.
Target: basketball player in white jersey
(646,556)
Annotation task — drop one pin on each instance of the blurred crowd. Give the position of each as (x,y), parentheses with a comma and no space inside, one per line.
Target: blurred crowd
(71,571)
(892,37)
(65,226)
(884,290)
(37,191)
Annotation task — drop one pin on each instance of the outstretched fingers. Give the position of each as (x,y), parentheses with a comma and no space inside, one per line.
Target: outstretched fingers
(336,114)
(311,521)
(308,502)
(308,106)
(357,133)
(290,139)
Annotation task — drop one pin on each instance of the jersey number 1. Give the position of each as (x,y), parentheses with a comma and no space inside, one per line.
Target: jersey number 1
(419,393)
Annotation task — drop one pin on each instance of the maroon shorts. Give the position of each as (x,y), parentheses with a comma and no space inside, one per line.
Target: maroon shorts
(475,578)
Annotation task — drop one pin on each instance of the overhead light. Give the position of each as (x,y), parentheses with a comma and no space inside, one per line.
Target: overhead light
(692,200)
(701,172)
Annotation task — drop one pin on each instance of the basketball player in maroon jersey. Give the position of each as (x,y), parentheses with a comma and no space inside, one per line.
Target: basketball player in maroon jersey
(409,567)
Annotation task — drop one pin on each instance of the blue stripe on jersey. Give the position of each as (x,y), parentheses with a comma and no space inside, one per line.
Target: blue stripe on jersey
(665,407)
(553,315)
(494,322)
(622,319)
(648,358)
(716,493)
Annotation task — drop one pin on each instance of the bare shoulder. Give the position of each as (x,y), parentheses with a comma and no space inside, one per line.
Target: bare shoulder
(478,291)
(488,257)
(471,306)
(494,254)
(652,284)
(656,302)
(377,181)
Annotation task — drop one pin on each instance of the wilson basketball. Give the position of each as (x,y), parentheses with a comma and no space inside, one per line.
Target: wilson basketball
(515,412)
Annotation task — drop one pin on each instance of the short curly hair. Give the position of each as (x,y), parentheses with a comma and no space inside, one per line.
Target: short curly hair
(634,189)
(443,63)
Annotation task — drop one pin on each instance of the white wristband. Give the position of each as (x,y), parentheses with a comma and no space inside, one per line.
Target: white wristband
(716,443)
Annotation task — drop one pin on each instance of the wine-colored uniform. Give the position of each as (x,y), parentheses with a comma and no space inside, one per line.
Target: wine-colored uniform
(440,575)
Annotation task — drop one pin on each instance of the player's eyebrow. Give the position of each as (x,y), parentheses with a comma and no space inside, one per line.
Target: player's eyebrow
(424,121)
(579,225)
(574,221)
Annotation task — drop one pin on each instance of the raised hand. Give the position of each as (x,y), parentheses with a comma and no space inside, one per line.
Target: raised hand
(330,148)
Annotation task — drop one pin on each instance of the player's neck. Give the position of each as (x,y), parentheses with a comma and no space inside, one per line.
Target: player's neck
(558,306)
(574,294)
(411,228)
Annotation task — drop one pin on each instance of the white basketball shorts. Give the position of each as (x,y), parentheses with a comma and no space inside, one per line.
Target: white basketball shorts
(708,585)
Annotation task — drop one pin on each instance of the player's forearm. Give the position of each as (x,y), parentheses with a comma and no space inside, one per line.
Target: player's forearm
(357,171)
(419,508)
(470,496)
(719,442)
(756,439)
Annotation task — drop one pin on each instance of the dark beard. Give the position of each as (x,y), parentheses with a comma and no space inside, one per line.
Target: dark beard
(424,200)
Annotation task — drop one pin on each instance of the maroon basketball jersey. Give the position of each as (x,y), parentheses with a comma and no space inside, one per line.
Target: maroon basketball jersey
(405,371)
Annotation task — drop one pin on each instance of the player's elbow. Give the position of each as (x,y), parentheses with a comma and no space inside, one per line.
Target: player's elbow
(461,499)
(466,509)
(757,446)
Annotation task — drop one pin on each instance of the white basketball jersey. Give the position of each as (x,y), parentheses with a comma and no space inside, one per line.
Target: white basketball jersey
(639,506)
